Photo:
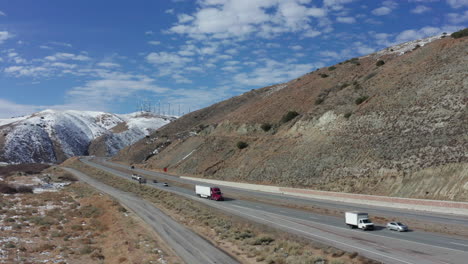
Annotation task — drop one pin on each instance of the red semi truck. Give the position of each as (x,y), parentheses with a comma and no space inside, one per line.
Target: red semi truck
(212,193)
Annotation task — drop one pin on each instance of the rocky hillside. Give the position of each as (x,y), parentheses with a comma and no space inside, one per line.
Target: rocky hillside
(392,123)
(53,136)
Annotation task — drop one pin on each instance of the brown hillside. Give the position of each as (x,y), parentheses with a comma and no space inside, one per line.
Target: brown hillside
(408,136)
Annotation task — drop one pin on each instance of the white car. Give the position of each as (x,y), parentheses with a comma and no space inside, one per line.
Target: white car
(397,226)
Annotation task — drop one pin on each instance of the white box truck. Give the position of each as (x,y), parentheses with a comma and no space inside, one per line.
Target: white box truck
(212,193)
(359,220)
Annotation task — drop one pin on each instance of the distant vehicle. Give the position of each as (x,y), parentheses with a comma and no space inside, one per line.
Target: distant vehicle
(132,167)
(165,184)
(359,220)
(155,181)
(138,178)
(212,193)
(397,226)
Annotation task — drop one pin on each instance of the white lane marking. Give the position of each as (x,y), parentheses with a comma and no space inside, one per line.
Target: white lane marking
(386,237)
(459,244)
(322,237)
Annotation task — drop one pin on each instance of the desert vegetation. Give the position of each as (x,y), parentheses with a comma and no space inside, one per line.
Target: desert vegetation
(250,242)
(460,34)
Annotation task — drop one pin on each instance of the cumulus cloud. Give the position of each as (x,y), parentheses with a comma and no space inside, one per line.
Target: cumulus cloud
(67,56)
(336,4)
(241,18)
(386,8)
(458,18)
(347,20)
(108,64)
(2,13)
(111,87)
(154,42)
(273,72)
(457,3)
(10,109)
(420,9)
(4,35)
(412,34)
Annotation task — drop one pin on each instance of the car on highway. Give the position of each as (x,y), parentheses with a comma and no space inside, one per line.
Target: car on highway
(155,181)
(165,184)
(397,226)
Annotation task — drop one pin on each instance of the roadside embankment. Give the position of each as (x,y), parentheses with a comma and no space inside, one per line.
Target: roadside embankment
(436,206)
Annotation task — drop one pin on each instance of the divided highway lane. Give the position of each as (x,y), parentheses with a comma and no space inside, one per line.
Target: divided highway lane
(383,245)
(188,246)
(372,210)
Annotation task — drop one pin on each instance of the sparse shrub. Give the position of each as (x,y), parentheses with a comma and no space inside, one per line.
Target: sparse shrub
(361,99)
(86,250)
(266,127)
(24,189)
(417,47)
(10,245)
(68,177)
(7,189)
(323,75)
(319,100)
(289,116)
(242,145)
(263,240)
(332,68)
(460,34)
(90,211)
(379,63)
(347,115)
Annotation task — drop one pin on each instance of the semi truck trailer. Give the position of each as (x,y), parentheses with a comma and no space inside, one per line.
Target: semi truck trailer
(212,193)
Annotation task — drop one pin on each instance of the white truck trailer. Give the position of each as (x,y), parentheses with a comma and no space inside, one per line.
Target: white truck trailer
(359,220)
(212,193)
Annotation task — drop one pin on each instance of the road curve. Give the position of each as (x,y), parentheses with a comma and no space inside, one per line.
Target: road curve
(187,245)
(382,245)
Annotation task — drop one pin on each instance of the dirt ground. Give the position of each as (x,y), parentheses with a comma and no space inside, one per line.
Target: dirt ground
(74,224)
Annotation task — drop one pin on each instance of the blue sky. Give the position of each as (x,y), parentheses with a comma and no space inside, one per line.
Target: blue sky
(110,55)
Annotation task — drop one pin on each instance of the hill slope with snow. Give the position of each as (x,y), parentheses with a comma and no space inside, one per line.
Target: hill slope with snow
(52,136)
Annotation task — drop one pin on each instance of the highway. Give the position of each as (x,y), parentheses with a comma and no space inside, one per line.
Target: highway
(188,246)
(381,244)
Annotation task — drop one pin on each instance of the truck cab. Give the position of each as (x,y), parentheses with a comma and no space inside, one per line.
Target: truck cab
(216,194)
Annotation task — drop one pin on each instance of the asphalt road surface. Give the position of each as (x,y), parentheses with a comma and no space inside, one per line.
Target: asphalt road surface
(381,244)
(187,245)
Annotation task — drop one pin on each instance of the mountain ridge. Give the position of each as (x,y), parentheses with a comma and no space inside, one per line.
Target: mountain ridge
(390,123)
(54,135)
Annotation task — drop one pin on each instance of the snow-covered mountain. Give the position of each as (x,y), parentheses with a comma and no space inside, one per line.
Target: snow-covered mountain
(53,136)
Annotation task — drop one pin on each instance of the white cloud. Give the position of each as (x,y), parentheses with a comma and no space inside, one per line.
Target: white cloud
(4,35)
(112,87)
(272,72)
(381,11)
(10,109)
(420,9)
(242,18)
(458,18)
(336,4)
(457,3)
(26,71)
(63,65)
(347,20)
(149,32)
(108,64)
(166,58)
(154,42)
(386,8)
(412,34)
(67,56)
(63,44)
(2,13)
(184,18)
(45,47)
(296,47)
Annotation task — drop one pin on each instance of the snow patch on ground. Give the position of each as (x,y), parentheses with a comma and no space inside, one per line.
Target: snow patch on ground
(409,46)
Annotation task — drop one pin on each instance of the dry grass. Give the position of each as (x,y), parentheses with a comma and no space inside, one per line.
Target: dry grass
(74,225)
(249,242)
